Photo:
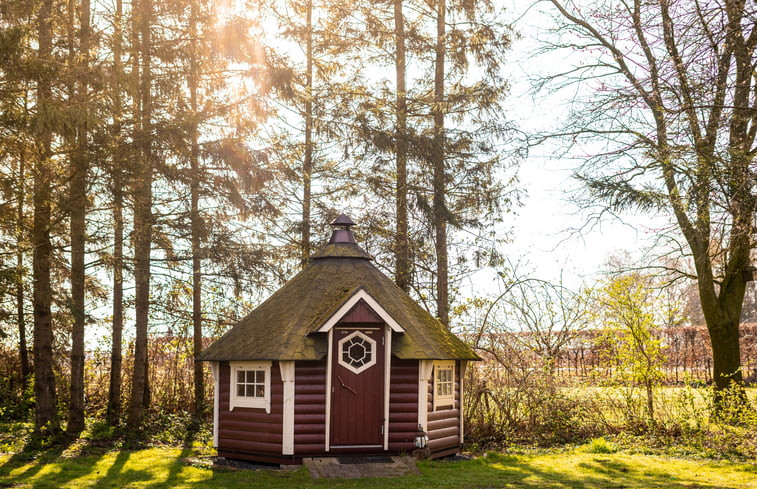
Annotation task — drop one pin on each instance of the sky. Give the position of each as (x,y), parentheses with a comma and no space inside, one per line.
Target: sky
(545,242)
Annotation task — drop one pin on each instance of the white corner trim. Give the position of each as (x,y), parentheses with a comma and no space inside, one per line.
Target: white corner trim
(287,429)
(463,364)
(425,368)
(345,308)
(260,403)
(215,368)
(328,391)
(387,381)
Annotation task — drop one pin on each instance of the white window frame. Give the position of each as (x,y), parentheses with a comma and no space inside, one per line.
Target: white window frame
(236,401)
(445,400)
(370,341)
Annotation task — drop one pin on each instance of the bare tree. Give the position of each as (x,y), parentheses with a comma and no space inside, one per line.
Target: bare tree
(671,111)
(545,318)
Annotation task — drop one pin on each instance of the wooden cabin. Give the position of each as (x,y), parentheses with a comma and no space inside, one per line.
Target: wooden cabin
(339,361)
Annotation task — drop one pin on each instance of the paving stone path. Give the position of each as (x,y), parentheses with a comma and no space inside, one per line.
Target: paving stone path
(333,468)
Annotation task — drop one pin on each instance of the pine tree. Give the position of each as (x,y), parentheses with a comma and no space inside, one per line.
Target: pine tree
(16,150)
(44,377)
(316,92)
(79,162)
(401,246)
(143,217)
(451,140)
(437,161)
(118,184)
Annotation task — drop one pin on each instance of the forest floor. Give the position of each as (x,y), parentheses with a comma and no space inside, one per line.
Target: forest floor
(82,464)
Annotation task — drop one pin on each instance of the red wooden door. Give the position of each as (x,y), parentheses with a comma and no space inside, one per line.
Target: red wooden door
(357,387)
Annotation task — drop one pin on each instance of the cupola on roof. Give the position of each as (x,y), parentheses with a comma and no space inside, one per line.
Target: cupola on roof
(343,235)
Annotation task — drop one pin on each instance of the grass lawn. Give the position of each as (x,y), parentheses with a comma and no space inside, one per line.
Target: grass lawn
(575,468)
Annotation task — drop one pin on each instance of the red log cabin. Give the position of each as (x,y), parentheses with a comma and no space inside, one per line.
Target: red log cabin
(339,361)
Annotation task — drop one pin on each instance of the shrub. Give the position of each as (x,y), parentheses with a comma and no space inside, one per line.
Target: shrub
(600,445)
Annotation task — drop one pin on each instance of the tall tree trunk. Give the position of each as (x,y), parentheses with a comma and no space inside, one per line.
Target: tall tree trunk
(114,389)
(437,160)
(307,166)
(142,220)
(44,378)
(726,351)
(723,316)
(401,246)
(196,224)
(78,203)
(20,317)
(116,357)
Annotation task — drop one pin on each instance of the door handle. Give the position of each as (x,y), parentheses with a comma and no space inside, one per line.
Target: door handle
(346,386)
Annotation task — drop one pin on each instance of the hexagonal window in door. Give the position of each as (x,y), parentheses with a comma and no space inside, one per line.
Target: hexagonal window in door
(357,352)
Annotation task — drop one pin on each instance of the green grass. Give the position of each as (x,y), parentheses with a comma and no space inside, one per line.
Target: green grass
(672,403)
(576,468)
(665,392)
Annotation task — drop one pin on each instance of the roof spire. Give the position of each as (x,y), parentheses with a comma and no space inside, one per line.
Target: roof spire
(343,235)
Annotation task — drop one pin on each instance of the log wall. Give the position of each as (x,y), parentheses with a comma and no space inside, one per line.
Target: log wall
(309,407)
(250,430)
(403,405)
(444,424)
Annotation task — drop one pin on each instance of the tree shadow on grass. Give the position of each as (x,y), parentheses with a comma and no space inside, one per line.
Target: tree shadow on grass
(66,459)
(504,471)
(116,476)
(178,464)
(497,472)
(36,454)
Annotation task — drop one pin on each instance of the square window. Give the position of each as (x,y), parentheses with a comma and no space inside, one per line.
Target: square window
(251,388)
(444,384)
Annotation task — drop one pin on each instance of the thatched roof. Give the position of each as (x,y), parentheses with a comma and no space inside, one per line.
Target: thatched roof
(284,327)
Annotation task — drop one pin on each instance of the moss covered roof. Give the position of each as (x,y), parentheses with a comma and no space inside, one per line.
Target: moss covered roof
(284,327)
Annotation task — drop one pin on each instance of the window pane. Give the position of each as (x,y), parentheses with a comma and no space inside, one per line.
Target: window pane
(259,377)
(250,391)
(240,390)
(240,376)
(259,391)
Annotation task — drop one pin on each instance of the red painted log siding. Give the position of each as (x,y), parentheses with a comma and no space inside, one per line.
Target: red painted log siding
(309,407)
(248,429)
(403,405)
(444,424)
